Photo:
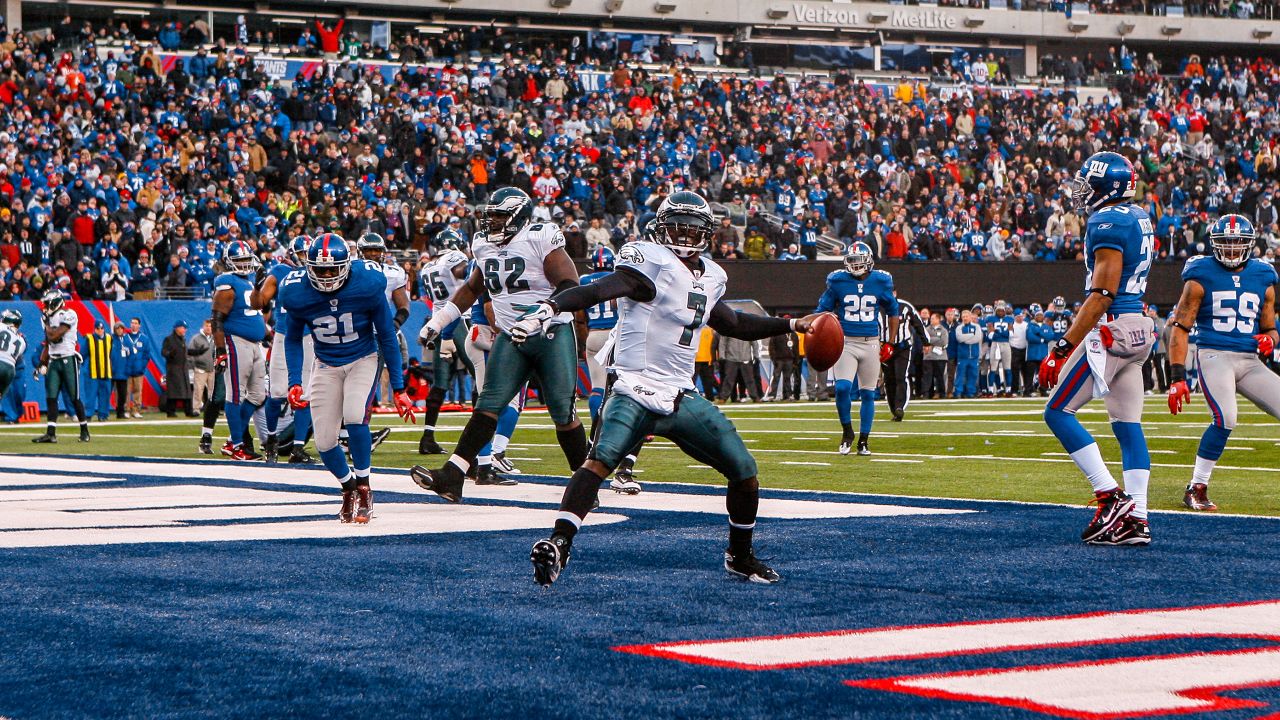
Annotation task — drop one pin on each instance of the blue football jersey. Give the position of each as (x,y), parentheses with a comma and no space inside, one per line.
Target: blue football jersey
(278,313)
(1228,315)
(1126,228)
(604,315)
(243,321)
(346,325)
(998,327)
(858,303)
(1059,320)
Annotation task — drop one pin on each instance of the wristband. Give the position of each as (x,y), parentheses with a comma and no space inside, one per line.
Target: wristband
(793,324)
(1063,347)
(1177,373)
(1180,326)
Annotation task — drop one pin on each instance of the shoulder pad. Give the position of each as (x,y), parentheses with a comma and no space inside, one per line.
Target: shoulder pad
(834,275)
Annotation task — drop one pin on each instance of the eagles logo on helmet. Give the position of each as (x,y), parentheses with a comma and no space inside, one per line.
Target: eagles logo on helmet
(684,224)
(371,246)
(509,210)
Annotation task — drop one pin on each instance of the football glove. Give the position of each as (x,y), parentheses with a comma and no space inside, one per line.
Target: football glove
(1266,345)
(429,335)
(404,407)
(533,320)
(1051,366)
(295,398)
(1179,393)
(886,352)
(220,359)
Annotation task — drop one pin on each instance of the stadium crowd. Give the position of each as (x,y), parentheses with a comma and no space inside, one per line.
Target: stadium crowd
(123,176)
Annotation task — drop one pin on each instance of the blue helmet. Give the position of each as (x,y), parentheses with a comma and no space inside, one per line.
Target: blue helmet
(859,259)
(1232,238)
(602,259)
(328,262)
(298,249)
(1104,178)
(238,258)
(1035,309)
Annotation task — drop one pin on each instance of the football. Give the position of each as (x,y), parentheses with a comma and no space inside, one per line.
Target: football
(824,342)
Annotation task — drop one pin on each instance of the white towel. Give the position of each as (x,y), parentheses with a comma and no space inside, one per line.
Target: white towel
(1096,354)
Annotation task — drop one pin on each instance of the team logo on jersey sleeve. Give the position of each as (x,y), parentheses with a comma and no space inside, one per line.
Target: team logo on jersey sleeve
(631,255)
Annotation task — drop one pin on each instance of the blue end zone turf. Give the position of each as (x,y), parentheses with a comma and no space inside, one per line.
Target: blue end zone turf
(450,624)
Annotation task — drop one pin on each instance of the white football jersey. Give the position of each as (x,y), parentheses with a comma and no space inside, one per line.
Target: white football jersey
(70,342)
(437,279)
(513,273)
(658,340)
(396,279)
(12,345)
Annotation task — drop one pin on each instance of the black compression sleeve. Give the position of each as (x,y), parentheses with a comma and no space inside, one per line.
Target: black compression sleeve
(619,283)
(727,321)
(402,314)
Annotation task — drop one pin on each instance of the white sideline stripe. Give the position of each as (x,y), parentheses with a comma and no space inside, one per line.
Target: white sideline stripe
(895,460)
(698,467)
(788,462)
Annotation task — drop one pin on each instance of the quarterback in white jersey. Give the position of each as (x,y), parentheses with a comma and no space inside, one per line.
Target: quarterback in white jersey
(518,263)
(440,279)
(667,293)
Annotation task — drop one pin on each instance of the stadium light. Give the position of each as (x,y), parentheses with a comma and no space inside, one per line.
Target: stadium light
(1261,34)
(132,11)
(777,13)
(1170,30)
(1076,26)
(973,22)
(662,7)
(612,6)
(877,17)
(429,29)
(560,4)
(289,21)
(1125,28)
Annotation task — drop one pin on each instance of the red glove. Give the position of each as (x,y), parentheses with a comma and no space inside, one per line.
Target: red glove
(1052,365)
(886,352)
(295,398)
(1179,393)
(404,407)
(1266,345)
(220,359)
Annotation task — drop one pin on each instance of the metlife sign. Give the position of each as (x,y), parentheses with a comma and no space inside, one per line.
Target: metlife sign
(837,15)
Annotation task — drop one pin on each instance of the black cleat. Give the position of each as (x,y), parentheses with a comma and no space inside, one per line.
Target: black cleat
(1113,506)
(84,433)
(750,568)
(504,465)
(378,437)
(897,414)
(490,476)
(270,452)
(549,558)
(206,444)
(46,438)
(364,504)
(863,448)
(428,445)
(348,511)
(437,482)
(299,456)
(1197,498)
(1130,531)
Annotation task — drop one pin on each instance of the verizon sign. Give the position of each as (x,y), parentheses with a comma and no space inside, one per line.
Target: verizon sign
(834,15)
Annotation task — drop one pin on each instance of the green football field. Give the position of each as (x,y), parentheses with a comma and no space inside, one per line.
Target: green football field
(984,449)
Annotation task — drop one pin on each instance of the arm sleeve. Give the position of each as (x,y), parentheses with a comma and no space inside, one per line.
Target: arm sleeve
(622,282)
(293,348)
(827,303)
(729,322)
(385,328)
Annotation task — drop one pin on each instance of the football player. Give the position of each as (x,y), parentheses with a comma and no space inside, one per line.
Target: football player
(60,364)
(440,279)
(372,247)
(344,303)
(12,345)
(667,292)
(1103,351)
(1000,353)
(518,263)
(238,331)
(858,295)
(1231,299)
(479,342)
(294,259)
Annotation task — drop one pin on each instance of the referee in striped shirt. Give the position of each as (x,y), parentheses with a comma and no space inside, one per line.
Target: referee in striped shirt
(896,371)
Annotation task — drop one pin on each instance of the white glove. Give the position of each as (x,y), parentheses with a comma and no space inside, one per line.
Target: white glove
(533,321)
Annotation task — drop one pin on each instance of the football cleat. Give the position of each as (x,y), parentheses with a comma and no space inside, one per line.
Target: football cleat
(246,454)
(1129,531)
(299,456)
(624,481)
(1113,506)
(549,558)
(46,438)
(491,476)
(229,449)
(750,568)
(84,433)
(437,482)
(863,448)
(504,465)
(364,504)
(846,443)
(1197,498)
(378,436)
(897,414)
(348,511)
(428,445)
(269,450)
(206,444)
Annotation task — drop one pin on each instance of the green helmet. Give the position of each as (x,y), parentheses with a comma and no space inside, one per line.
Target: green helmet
(685,223)
(448,239)
(11,317)
(509,210)
(371,243)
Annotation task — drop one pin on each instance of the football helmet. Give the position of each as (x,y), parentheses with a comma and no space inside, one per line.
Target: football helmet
(1035,309)
(328,262)
(602,260)
(508,211)
(1059,303)
(238,258)
(298,250)
(684,224)
(53,301)
(11,317)
(1104,178)
(448,239)
(1232,238)
(988,310)
(371,243)
(859,259)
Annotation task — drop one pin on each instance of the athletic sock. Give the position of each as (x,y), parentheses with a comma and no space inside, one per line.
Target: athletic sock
(273,408)
(844,401)
(360,445)
(1204,469)
(301,427)
(478,432)
(867,411)
(574,444)
(594,401)
(1089,460)
(506,427)
(336,462)
(743,502)
(847,429)
(431,409)
(579,497)
(1135,486)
